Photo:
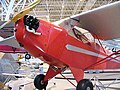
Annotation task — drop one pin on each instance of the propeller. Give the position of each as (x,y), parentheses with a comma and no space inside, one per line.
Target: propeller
(22,13)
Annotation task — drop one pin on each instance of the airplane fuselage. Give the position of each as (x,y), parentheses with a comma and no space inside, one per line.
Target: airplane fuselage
(58,48)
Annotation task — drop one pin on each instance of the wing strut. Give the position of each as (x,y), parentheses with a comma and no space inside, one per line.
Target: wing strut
(101,61)
(67,79)
(100,42)
(109,60)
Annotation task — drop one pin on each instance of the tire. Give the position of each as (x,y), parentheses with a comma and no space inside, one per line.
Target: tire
(85,84)
(38,82)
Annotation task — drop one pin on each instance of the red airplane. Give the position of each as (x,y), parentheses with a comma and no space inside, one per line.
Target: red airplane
(64,44)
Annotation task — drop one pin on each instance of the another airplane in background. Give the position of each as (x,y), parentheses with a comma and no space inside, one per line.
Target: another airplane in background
(70,42)
(9,49)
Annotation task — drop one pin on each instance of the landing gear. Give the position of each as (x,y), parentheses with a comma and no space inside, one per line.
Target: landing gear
(85,84)
(39,83)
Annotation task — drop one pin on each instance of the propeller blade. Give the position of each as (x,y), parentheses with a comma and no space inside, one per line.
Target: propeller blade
(22,13)
(25,10)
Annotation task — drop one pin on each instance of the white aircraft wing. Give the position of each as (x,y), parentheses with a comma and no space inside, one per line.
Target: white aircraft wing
(11,41)
(8,74)
(103,21)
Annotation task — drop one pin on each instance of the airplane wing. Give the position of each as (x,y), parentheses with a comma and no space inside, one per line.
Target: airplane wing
(11,41)
(8,30)
(103,21)
(9,74)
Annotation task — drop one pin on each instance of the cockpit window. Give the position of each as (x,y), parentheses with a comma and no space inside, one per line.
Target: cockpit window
(81,34)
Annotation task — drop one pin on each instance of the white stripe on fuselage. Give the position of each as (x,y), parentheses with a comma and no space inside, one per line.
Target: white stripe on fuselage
(59,29)
(84,51)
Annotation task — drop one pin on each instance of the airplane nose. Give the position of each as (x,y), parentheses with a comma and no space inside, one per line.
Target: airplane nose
(31,23)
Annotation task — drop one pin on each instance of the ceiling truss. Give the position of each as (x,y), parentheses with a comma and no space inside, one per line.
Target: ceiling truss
(50,10)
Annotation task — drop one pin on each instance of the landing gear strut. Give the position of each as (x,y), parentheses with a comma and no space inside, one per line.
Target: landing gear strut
(39,83)
(84,84)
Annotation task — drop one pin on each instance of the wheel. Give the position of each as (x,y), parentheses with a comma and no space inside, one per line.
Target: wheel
(38,82)
(27,56)
(85,84)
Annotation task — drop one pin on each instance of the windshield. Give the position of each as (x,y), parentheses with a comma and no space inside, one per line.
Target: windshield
(81,34)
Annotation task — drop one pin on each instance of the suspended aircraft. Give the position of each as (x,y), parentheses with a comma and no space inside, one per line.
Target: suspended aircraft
(73,42)
(8,32)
